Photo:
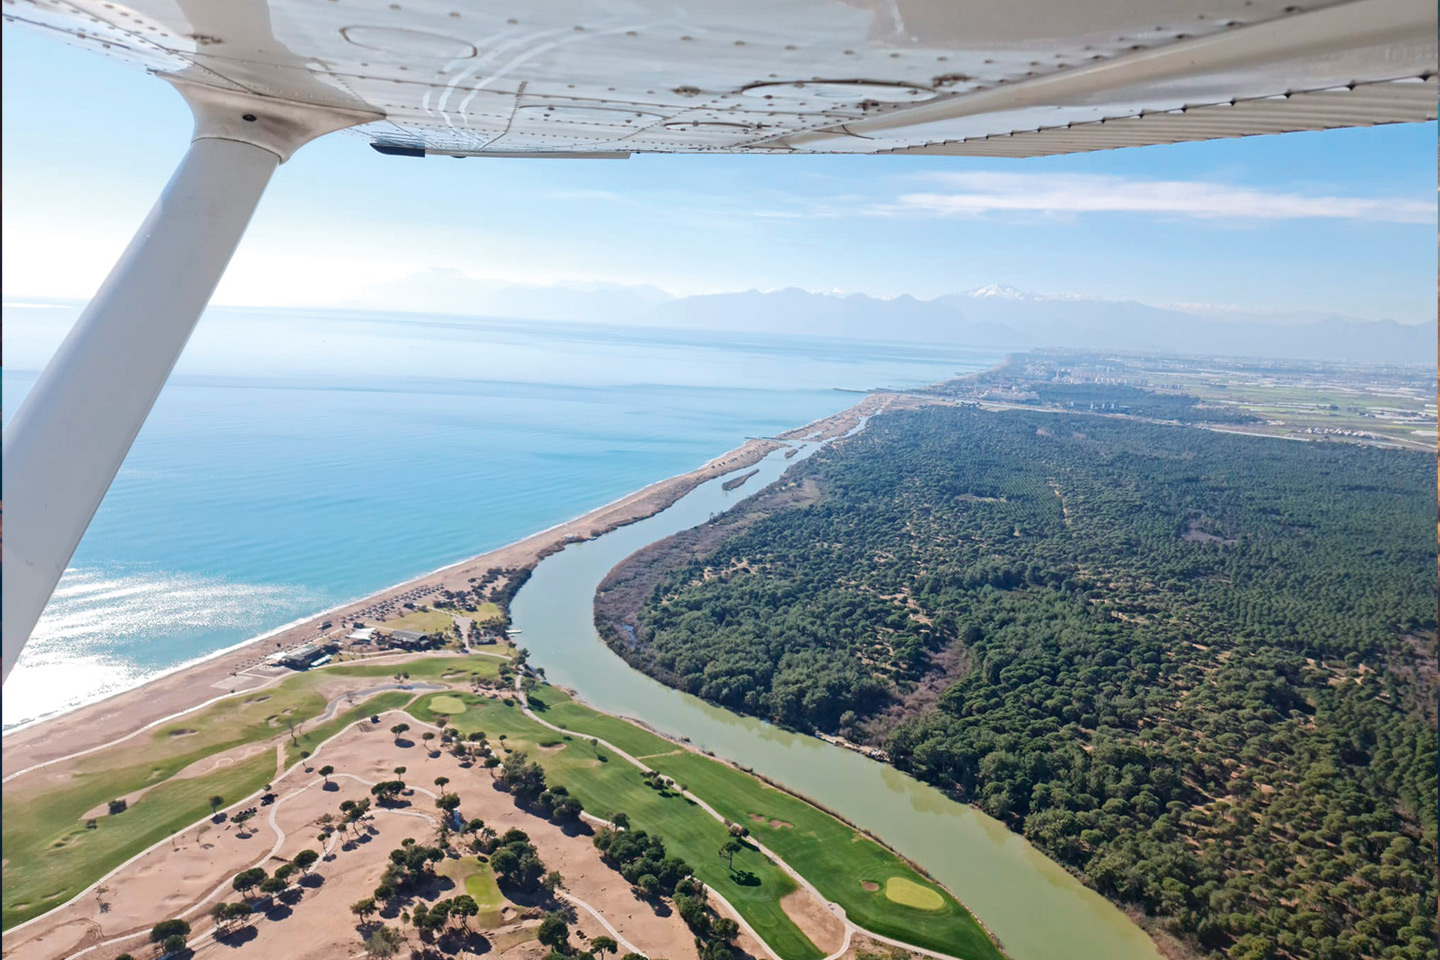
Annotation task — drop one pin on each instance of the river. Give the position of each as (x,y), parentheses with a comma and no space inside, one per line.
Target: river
(1036,909)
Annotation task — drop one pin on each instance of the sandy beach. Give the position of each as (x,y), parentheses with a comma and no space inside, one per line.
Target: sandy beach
(243,667)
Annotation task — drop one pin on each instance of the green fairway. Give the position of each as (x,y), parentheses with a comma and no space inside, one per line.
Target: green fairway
(606,785)
(444,704)
(834,857)
(51,856)
(486,613)
(453,669)
(426,621)
(912,894)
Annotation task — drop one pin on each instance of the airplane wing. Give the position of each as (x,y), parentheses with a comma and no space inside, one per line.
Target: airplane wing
(609,78)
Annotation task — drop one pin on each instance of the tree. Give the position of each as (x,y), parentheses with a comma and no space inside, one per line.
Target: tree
(729,848)
(247,880)
(399,730)
(400,771)
(273,885)
(427,736)
(170,928)
(724,928)
(441,781)
(554,931)
(305,859)
(463,908)
(621,821)
(387,791)
(216,802)
(448,802)
(383,943)
(553,881)
(603,945)
(364,909)
(173,944)
(523,777)
(237,911)
(325,772)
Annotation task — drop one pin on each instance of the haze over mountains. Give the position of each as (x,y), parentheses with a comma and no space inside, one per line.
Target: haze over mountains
(995,316)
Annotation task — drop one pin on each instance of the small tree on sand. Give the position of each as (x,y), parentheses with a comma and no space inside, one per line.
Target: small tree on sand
(383,943)
(305,859)
(364,909)
(247,880)
(166,929)
(325,772)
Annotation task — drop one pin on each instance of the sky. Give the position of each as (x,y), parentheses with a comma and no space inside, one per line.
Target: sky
(1340,221)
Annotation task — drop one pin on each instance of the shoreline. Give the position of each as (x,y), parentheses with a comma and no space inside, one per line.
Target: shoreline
(379,595)
(227,671)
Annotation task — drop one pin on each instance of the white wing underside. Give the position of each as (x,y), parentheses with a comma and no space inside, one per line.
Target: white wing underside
(1018,78)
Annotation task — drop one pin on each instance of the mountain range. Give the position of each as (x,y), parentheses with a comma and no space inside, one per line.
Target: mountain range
(990,316)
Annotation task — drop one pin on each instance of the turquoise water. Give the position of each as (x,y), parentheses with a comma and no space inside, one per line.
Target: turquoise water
(300,459)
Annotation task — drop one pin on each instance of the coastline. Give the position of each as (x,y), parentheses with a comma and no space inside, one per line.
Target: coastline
(223,672)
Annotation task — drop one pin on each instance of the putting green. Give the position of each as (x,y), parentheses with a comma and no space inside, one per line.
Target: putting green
(444,704)
(912,894)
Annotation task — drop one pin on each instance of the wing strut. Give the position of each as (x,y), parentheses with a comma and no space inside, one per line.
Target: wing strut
(67,440)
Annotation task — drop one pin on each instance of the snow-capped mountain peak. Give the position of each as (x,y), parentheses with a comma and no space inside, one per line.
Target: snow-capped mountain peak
(1000,291)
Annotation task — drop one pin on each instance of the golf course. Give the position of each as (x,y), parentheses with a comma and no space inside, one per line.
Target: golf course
(878,890)
(59,836)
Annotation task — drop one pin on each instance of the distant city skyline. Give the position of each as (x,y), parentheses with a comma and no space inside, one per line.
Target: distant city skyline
(1337,222)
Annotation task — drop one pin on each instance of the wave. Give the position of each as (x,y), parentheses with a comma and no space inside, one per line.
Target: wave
(105,632)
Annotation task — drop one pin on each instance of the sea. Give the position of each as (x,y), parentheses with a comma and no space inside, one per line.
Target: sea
(300,459)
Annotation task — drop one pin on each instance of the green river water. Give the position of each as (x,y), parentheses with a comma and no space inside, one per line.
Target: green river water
(1036,909)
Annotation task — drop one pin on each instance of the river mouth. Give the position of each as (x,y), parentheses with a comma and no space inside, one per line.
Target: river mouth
(1034,907)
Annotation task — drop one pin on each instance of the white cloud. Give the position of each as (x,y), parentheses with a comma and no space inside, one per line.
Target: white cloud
(980,193)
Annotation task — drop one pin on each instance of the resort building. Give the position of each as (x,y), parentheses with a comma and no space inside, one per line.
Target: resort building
(302,658)
(412,640)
